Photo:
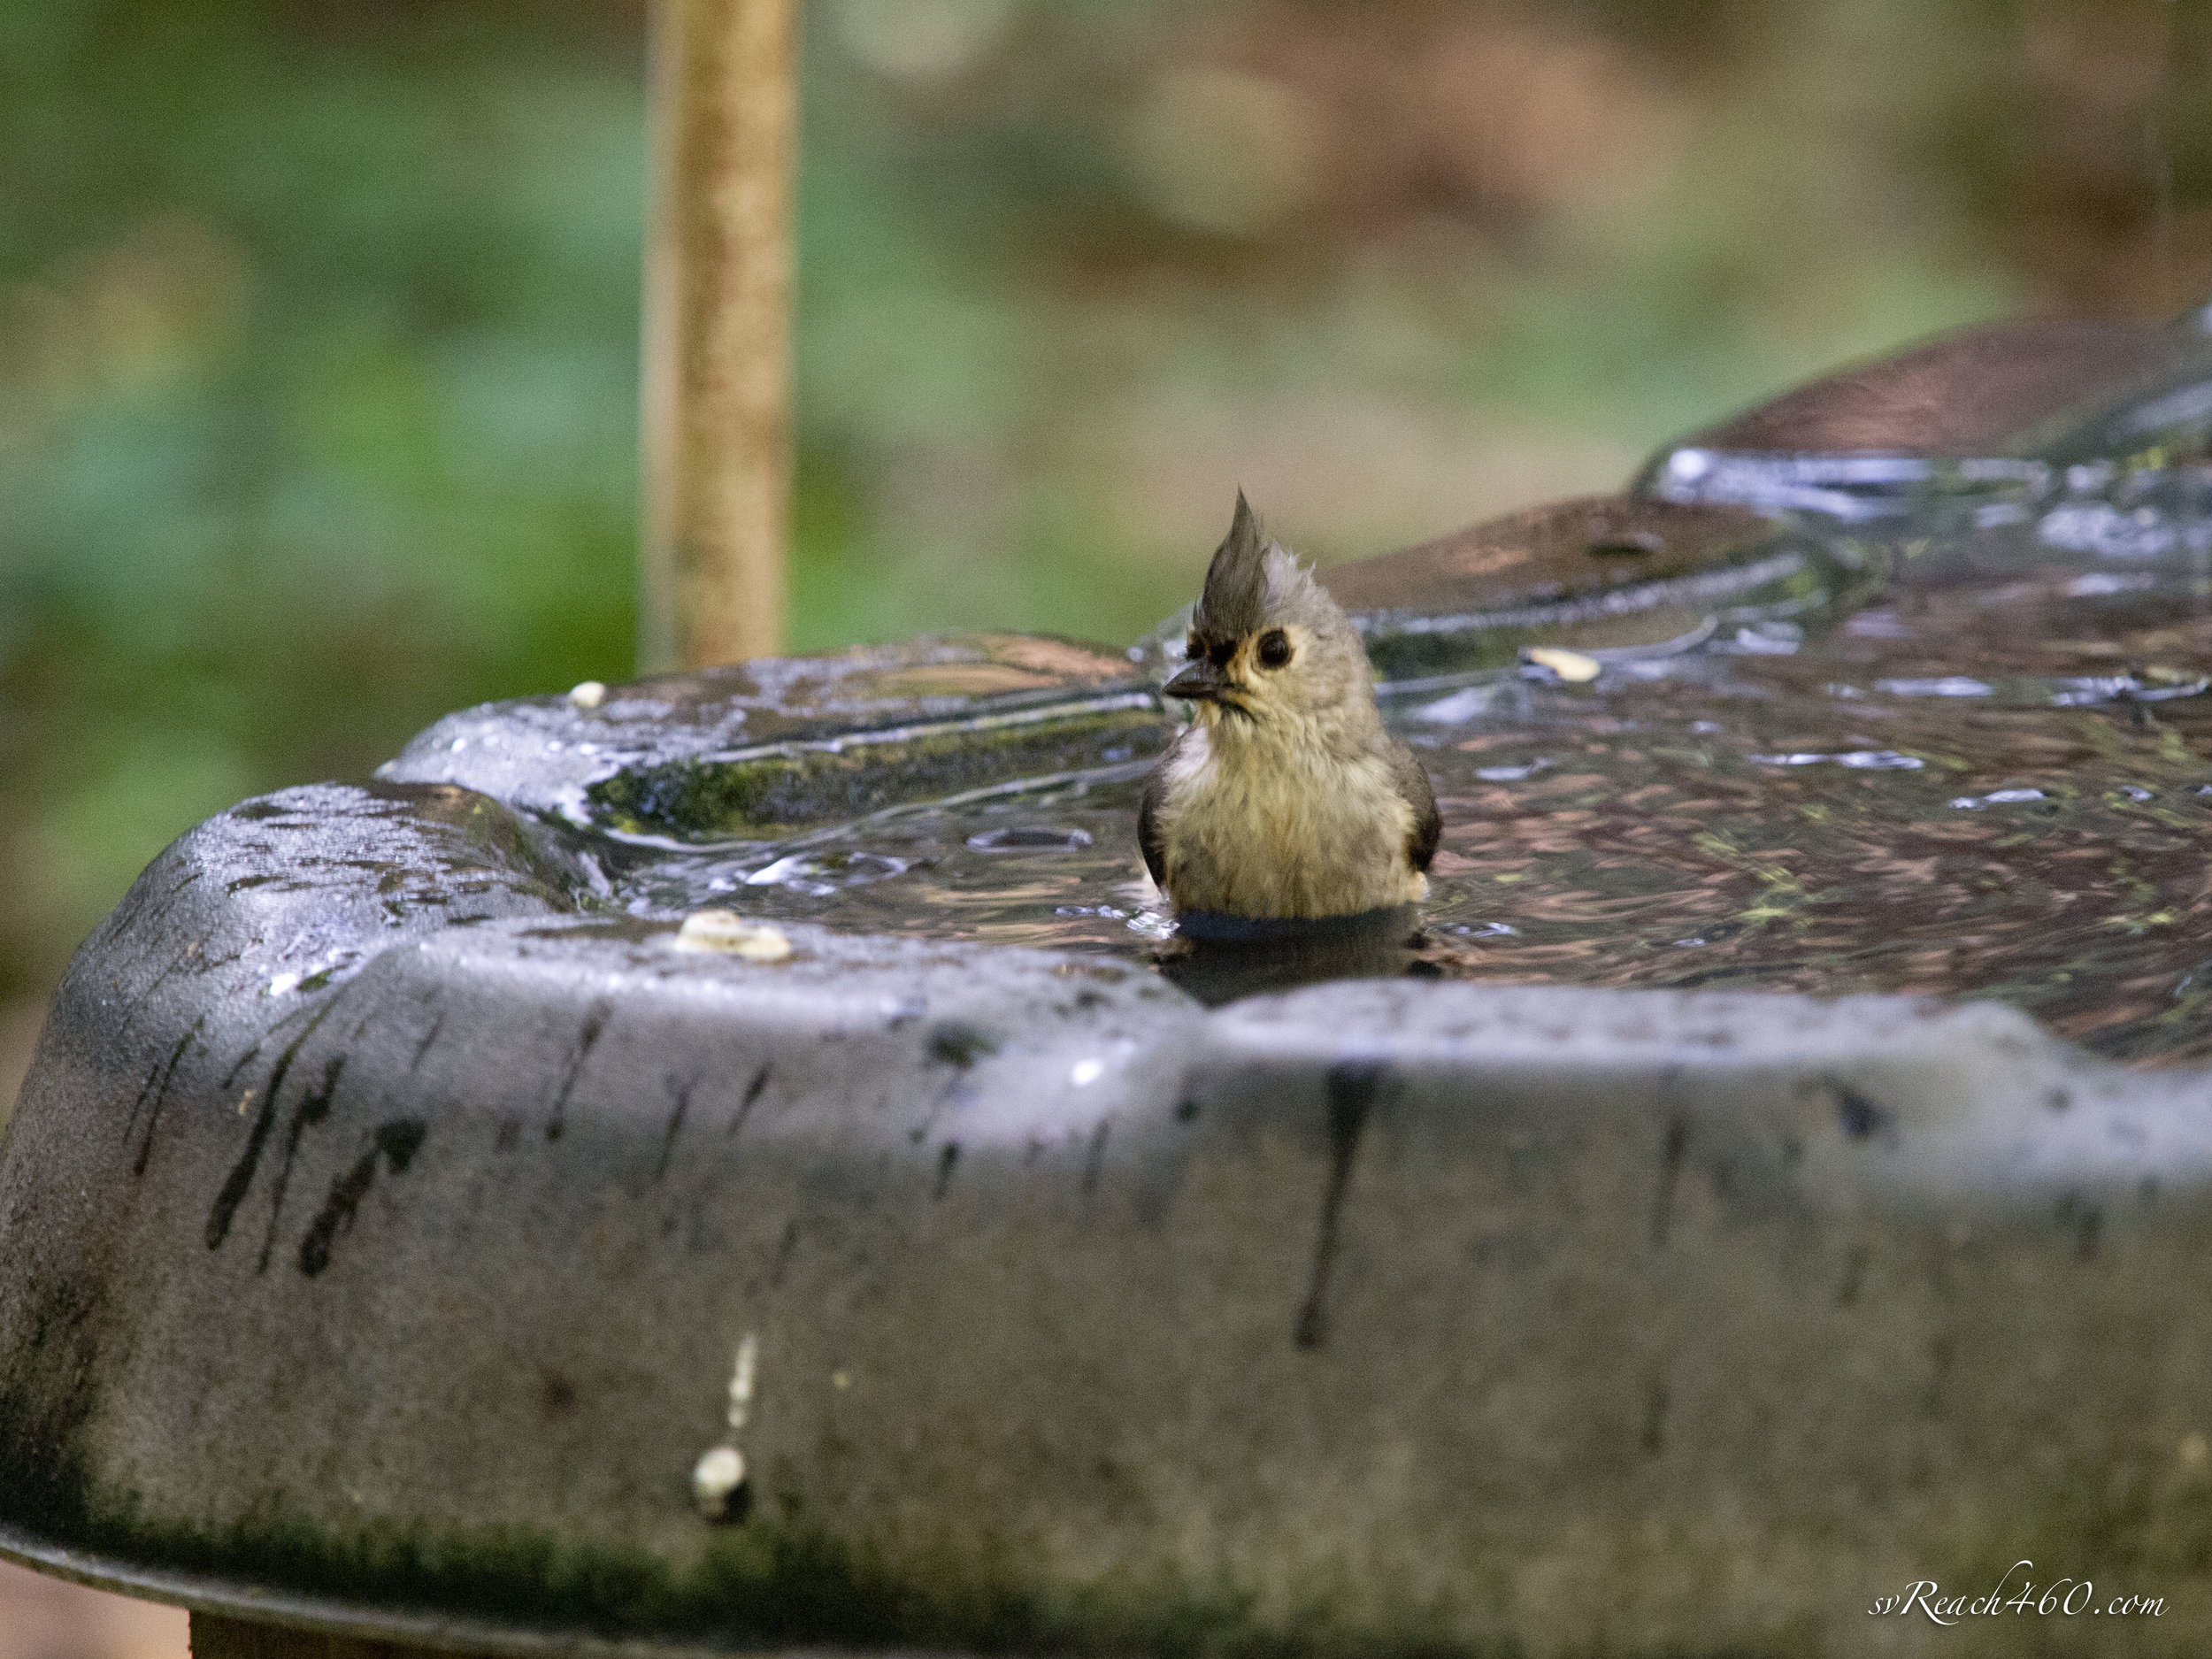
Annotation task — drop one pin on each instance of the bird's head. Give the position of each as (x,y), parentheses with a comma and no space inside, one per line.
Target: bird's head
(1267,646)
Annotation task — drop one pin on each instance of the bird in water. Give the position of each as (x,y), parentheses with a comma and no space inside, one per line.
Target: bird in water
(1285,797)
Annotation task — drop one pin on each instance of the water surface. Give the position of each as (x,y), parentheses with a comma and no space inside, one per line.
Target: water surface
(1992,781)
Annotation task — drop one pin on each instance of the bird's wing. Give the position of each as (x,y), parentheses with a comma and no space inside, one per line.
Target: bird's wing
(1412,779)
(1151,838)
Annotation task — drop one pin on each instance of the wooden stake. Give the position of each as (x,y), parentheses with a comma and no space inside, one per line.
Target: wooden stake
(716,419)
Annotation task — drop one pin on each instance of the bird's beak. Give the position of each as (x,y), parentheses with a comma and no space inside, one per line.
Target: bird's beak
(1199,682)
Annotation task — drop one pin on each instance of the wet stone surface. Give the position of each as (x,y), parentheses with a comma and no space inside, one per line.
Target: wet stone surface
(1992,419)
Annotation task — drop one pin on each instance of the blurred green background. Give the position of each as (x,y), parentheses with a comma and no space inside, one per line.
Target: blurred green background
(318,321)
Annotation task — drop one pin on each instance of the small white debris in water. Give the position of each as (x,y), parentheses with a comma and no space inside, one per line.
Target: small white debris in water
(1087,1073)
(727,932)
(246,1100)
(283,983)
(2192,1450)
(587,693)
(840,1379)
(1571,666)
(715,1479)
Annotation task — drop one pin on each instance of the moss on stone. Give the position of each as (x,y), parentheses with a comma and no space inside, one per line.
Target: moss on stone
(772,794)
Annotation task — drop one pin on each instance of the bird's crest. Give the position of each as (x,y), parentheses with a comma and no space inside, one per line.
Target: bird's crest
(1234,601)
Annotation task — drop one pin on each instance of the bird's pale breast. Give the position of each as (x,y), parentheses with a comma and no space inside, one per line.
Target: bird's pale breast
(1257,828)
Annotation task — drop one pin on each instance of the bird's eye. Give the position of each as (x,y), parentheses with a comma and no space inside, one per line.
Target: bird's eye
(1274,649)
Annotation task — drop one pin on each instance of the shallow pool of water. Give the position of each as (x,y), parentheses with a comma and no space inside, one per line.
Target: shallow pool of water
(1990,780)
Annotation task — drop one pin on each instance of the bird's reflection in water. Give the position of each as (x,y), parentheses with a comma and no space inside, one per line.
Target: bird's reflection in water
(1219,959)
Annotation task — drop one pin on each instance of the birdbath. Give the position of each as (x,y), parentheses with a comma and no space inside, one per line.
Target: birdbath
(417,1232)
